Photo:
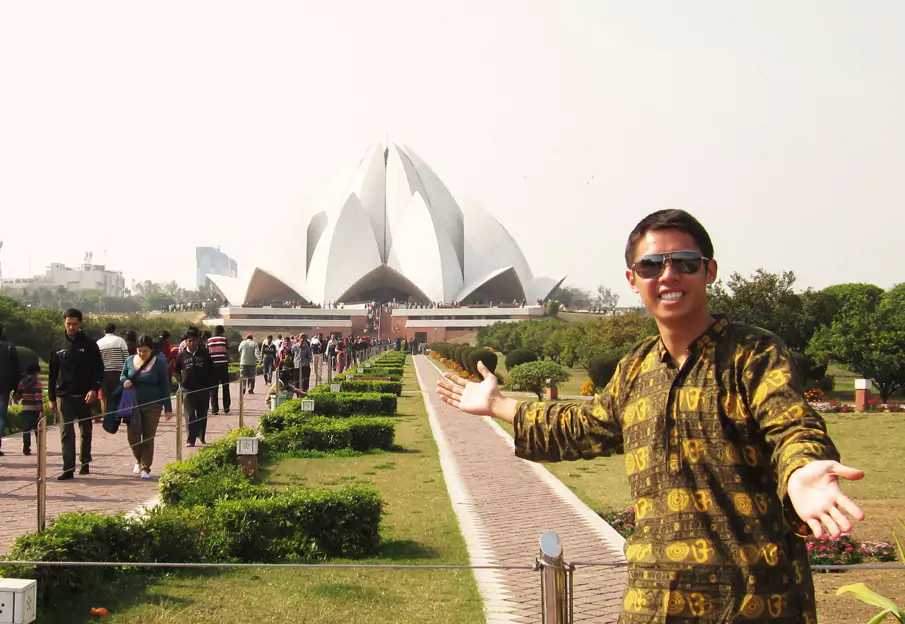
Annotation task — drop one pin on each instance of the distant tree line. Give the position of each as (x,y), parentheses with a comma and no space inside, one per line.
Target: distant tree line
(858,326)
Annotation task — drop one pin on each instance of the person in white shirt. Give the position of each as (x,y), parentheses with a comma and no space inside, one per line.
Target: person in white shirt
(114,353)
(249,354)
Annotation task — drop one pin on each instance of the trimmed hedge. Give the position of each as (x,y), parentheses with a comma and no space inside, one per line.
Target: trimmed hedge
(321,433)
(519,356)
(326,403)
(481,355)
(602,367)
(360,385)
(292,525)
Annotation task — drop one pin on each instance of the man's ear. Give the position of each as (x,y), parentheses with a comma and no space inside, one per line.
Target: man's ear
(630,276)
(711,271)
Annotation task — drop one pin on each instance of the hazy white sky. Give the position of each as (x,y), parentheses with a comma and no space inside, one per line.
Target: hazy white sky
(130,127)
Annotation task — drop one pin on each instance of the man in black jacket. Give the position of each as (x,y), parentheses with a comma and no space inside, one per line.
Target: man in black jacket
(195,371)
(9,377)
(76,374)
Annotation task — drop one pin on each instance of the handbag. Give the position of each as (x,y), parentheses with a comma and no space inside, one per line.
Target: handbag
(125,403)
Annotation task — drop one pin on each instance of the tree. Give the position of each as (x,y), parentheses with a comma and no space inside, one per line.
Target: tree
(869,339)
(552,308)
(606,300)
(538,376)
(572,297)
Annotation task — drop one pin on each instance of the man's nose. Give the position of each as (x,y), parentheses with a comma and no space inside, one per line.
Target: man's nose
(670,274)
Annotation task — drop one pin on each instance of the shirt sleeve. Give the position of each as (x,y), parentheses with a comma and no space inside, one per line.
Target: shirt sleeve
(792,428)
(54,370)
(97,365)
(549,432)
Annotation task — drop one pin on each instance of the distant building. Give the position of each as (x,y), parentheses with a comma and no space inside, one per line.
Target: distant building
(94,277)
(210,260)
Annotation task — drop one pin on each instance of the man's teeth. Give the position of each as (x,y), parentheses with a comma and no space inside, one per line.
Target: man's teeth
(672,296)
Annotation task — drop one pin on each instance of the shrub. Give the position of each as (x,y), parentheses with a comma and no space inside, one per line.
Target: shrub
(463,354)
(482,355)
(329,434)
(326,403)
(183,485)
(359,385)
(622,521)
(588,388)
(26,358)
(601,368)
(537,376)
(841,551)
(519,356)
(442,348)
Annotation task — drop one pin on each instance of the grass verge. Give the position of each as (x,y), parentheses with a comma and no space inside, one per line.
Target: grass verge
(420,528)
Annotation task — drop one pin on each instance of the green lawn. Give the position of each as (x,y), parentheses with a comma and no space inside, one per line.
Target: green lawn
(419,527)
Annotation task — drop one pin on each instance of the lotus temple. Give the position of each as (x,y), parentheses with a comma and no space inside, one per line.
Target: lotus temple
(397,236)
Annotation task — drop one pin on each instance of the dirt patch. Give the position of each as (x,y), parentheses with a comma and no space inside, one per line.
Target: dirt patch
(846,609)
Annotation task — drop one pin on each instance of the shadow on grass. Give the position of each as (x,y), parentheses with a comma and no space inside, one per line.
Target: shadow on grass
(125,589)
(405,549)
(405,451)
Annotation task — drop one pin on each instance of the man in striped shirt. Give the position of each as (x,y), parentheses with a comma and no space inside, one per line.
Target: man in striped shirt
(114,352)
(218,347)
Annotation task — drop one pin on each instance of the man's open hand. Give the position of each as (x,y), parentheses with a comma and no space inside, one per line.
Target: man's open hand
(818,500)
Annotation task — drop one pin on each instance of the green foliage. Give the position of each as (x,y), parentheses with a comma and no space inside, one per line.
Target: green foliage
(320,433)
(865,594)
(358,385)
(869,341)
(572,297)
(601,368)
(537,376)
(326,403)
(552,308)
(519,356)
(442,348)
(489,359)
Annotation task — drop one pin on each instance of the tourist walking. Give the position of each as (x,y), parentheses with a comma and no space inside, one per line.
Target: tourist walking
(729,465)
(249,354)
(218,347)
(195,370)
(76,374)
(114,353)
(318,354)
(147,373)
(9,377)
(30,395)
(269,358)
(301,354)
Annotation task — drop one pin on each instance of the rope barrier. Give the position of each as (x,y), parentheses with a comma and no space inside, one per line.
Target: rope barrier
(376,566)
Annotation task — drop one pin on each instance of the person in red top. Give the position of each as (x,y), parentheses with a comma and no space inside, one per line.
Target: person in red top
(30,394)
(170,352)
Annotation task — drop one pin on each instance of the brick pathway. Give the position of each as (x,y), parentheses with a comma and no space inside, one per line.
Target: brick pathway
(111,487)
(505,503)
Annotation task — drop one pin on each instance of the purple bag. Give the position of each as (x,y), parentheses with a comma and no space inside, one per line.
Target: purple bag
(126,405)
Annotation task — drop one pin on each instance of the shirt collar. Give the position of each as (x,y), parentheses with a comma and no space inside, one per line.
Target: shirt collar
(710,336)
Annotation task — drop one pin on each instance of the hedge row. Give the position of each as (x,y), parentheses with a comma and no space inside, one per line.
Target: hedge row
(321,433)
(467,356)
(212,513)
(362,385)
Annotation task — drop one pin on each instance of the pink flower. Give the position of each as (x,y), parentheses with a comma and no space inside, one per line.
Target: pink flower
(202,533)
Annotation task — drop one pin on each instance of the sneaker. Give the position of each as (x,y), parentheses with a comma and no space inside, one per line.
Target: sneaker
(145,474)
(136,469)
(66,476)
(84,470)
(26,451)
(226,411)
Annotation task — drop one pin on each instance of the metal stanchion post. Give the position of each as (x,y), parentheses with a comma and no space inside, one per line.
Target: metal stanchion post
(330,370)
(242,387)
(42,472)
(179,411)
(552,580)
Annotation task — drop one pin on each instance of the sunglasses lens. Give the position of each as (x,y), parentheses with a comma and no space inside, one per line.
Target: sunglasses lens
(686,262)
(649,266)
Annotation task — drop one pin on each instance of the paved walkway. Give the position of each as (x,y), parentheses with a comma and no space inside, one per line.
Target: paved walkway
(111,487)
(505,503)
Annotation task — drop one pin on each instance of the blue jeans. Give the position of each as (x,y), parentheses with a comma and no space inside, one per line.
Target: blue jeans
(268,370)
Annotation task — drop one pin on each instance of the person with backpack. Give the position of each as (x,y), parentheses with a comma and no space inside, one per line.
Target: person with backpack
(30,395)
(269,358)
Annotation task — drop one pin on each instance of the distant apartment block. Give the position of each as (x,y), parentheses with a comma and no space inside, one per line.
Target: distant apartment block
(93,277)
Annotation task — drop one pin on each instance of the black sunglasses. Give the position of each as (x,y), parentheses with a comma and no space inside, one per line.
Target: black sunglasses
(652,265)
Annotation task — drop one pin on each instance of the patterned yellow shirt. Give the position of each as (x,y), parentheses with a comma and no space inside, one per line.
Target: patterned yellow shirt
(708,448)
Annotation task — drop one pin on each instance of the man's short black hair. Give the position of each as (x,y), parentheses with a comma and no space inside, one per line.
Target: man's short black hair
(191,334)
(218,330)
(33,369)
(73,313)
(671,219)
(165,335)
(110,328)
